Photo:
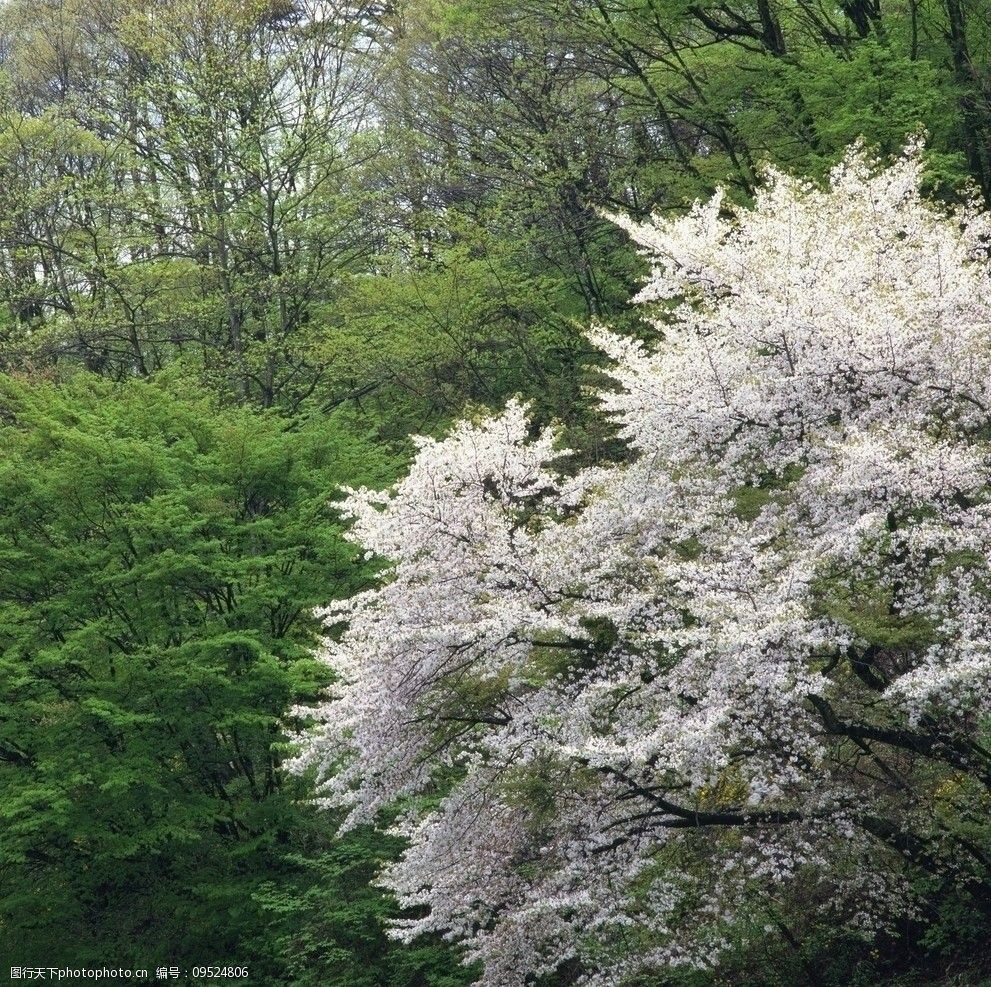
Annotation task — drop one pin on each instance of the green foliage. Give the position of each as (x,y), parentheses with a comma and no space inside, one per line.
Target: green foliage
(420,235)
(329,923)
(160,557)
(466,325)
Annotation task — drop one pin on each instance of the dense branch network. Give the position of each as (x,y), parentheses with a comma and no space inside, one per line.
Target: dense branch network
(616,705)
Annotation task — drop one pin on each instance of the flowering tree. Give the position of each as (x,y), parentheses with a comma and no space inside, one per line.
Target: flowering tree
(630,711)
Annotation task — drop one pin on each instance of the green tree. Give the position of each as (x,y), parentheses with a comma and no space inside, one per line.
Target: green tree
(235,135)
(160,558)
(329,922)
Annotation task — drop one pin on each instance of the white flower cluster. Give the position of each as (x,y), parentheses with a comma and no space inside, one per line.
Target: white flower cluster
(625,711)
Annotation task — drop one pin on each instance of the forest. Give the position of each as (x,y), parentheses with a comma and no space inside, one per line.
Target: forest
(496,492)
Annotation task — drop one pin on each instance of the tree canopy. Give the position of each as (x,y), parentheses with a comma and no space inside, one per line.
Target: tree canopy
(249,247)
(640,715)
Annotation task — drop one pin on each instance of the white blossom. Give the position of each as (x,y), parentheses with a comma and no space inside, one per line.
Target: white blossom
(621,708)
